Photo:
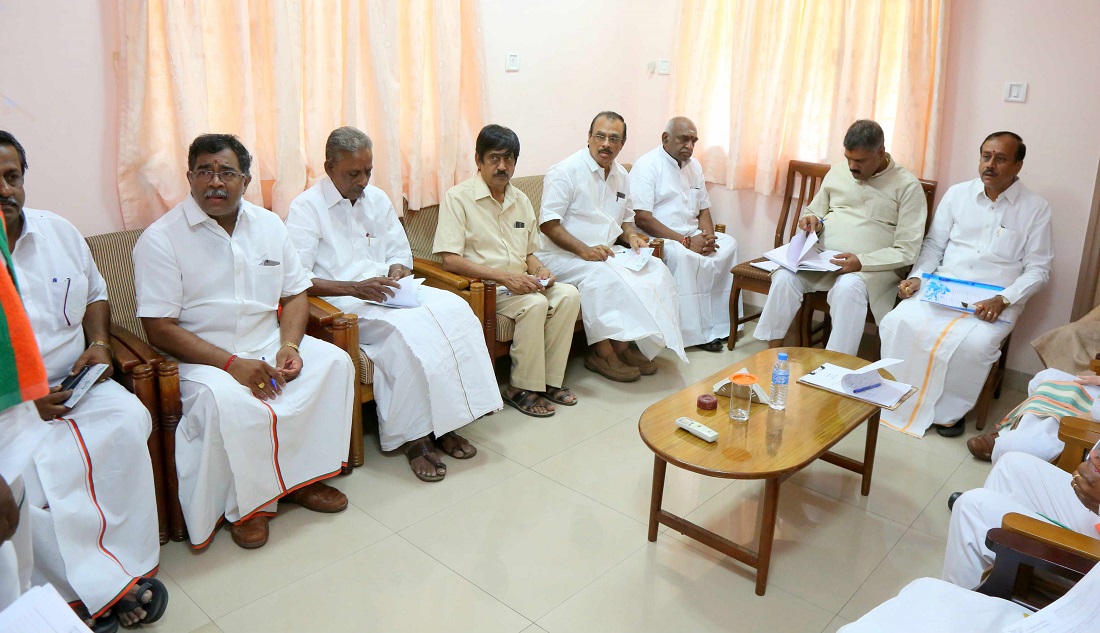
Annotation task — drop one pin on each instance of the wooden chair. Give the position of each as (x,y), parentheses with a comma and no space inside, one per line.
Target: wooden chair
(333,326)
(1034,556)
(803,181)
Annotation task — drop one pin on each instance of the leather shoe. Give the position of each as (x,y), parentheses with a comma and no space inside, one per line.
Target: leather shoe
(714,346)
(252,533)
(318,497)
(955,430)
(981,446)
(637,359)
(612,368)
(951,500)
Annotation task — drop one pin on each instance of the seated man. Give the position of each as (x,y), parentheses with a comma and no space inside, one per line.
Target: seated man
(585,210)
(93,509)
(488,229)
(872,210)
(432,373)
(1026,485)
(992,230)
(211,275)
(671,202)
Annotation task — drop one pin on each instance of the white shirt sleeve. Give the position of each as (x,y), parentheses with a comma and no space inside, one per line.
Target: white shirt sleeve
(557,194)
(97,287)
(1037,258)
(628,215)
(304,232)
(296,278)
(398,250)
(643,185)
(157,277)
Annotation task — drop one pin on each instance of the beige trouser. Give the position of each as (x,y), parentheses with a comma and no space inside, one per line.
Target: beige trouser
(544,331)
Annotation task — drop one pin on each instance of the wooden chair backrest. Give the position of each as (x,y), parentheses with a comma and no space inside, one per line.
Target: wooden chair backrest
(113,254)
(1079,436)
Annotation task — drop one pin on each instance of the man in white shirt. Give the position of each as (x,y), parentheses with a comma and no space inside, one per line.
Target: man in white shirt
(585,210)
(267,410)
(432,372)
(873,211)
(89,487)
(992,230)
(671,202)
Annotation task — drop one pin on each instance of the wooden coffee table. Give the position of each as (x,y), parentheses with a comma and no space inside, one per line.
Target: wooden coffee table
(772,445)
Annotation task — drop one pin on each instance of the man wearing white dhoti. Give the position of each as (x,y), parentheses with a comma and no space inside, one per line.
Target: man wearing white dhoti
(89,488)
(992,230)
(628,315)
(671,202)
(267,410)
(873,211)
(1026,485)
(432,373)
(487,229)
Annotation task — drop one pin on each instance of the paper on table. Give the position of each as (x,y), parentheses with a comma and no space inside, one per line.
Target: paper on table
(404,295)
(630,260)
(865,377)
(1076,612)
(41,610)
(831,377)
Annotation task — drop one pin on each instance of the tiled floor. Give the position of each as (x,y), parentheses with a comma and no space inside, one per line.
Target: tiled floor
(545,530)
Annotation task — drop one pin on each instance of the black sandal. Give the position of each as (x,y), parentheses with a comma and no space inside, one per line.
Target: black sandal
(423,448)
(525,401)
(451,435)
(154,609)
(554,394)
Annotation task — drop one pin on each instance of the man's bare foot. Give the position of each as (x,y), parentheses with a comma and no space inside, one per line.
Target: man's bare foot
(519,399)
(456,446)
(424,461)
(136,615)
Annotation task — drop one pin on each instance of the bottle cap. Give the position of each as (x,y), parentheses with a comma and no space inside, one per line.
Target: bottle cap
(782,355)
(707,402)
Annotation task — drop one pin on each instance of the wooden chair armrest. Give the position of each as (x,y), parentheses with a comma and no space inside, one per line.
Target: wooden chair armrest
(1069,541)
(1094,365)
(1079,430)
(433,272)
(322,313)
(126,339)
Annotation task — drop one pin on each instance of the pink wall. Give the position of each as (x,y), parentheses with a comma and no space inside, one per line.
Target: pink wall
(578,57)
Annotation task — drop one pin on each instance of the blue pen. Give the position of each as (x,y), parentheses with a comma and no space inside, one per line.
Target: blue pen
(868,387)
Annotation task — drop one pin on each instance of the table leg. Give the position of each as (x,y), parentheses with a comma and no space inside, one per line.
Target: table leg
(767,533)
(869,452)
(656,496)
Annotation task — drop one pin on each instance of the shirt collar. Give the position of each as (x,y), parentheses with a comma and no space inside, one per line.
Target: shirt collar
(196,216)
(32,223)
(332,195)
(1010,194)
(889,167)
(675,163)
(594,166)
(481,190)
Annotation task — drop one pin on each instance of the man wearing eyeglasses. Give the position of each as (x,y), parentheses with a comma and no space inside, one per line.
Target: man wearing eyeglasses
(267,409)
(671,202)
(487,229)
(628,303)
(432,373)
(92,507)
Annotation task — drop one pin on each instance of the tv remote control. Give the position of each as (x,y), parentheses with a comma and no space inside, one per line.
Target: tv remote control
(700,431)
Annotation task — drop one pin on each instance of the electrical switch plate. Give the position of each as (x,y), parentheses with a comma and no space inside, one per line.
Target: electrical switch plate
(511,62)
(1016,91)
(662,66)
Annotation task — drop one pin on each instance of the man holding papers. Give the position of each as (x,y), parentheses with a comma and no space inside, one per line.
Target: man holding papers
(990,240)
(628,303)
(872,211)
(432,373)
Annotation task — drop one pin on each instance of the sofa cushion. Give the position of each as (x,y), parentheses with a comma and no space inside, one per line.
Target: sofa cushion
(114,256)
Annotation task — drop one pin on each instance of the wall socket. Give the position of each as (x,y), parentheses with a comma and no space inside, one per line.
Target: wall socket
(511,63)
(1016,91)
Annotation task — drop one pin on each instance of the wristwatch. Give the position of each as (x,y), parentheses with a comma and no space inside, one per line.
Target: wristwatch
(1005,300)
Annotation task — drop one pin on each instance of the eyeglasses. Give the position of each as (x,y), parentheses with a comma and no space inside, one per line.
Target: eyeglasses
(614,139)
(226,175)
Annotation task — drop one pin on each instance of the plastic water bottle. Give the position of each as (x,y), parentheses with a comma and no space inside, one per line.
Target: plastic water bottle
(781,374)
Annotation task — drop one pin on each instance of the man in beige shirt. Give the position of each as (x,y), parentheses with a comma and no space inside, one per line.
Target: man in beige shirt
(871,210)
(488,229)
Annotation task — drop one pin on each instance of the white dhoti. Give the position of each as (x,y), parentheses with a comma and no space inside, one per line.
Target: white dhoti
(16,555)
(927,605)
(432,372)
(1034,434)
(703,283)
(93,506)
(847,306)
(236,455)
(1019,483)
(624,305)
(20,432)
(947,355)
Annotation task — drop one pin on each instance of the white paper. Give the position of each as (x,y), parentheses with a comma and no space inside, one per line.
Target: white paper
(831,377)
(86,383)
(865,377)
(957,294)
(630,260)
(41,610)
(404,295)
(766,265)
(1076,612)
(803,252)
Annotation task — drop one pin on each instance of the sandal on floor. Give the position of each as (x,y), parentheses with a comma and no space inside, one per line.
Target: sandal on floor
(423,448)
(106,623)
(525,402)
(154,609)
(558,395)
(466,453)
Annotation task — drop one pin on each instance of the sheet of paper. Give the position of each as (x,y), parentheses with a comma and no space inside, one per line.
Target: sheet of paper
(85,383)
(957,294)
(767,265)
(865,377)
(1076,612)
(831,377)
(800,244)
(815,259)
(404,295)
(630,260)
(41,610)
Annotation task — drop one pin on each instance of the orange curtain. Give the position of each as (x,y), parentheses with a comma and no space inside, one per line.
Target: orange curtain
(282,74)
(766,82)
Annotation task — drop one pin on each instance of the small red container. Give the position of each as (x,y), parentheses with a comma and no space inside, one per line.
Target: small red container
(707,402)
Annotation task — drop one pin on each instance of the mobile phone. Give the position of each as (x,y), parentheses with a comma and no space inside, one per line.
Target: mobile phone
(71,381)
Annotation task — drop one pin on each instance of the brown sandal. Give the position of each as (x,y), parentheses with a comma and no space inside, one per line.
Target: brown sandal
(423,448)
(456,446)
(525,402)
(558,395)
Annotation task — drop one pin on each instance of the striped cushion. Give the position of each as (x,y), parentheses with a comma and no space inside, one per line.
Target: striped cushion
(420,227)
(366,369)
(114,256)
(506,328)
(532,186)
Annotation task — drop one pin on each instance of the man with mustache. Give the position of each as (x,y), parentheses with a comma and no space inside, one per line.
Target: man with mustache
(871,210)
(629,315)
(671,202)
(432,373)
(89,483)
(992,230)
(267,410)
(487,229)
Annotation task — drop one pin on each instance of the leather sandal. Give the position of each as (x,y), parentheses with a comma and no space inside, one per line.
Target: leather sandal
(154,608)
(981,446)
(424,448)
(558,395)
(525,402)
(455,441)
(318,497)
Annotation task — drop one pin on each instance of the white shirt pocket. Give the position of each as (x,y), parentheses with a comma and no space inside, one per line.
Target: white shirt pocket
(1007,244)
(267,283)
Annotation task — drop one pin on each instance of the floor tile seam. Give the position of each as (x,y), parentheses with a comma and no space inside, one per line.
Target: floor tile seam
(615,565)
(587,496)
(189,597)
(848,503)
(575,444)
(474,495)
(936,496)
